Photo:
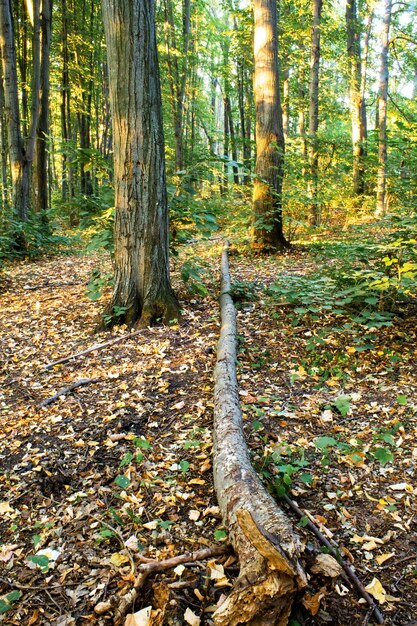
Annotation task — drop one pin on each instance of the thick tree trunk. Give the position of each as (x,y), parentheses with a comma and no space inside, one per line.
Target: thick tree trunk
(43,125)
(141,283)
(267,193)
(382,112)
(261,534)
(313,152)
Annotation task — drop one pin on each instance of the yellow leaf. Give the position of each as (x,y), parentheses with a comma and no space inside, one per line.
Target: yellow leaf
(5,507)
(381,558)
(118,559)
(376,590)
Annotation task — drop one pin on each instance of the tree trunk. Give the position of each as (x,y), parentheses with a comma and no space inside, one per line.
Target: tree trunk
(177,72)
(142,288)
(286,103)
(3,147)
(357,104)
(314,113)
(262,536)
(382,110)
(43,125)
(267,193)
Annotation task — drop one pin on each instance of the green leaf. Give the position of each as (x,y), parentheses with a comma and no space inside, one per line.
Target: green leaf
(141,442)
(383,455)
(256,425)
(36,539)
(303,521)
(401,399)
(7,600)
(220,534)
(325,442)
(41,560)
(128,457)
(306,478)
(122,481)
(184,465)
(342,403)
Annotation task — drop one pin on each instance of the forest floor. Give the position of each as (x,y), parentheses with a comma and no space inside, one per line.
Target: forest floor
(121,468)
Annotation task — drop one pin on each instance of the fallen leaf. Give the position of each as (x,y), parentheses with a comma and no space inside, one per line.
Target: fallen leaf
(191,618)
(327,565)
(376,590)
(381,558)
(141,618)
(118,558)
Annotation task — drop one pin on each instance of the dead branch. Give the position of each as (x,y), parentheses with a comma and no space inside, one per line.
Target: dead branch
(334,550)
(121,605)
(261,534)
(95,348)
(63,392)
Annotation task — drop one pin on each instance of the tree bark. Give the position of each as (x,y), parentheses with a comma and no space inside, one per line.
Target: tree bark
(382,111)
(267,193)
(43,124)
(313,152)
(142,288)
(11,107)
(356,97)
(3,147)
(261,534)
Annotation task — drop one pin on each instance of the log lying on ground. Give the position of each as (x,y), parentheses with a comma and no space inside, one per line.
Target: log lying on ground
(262,536)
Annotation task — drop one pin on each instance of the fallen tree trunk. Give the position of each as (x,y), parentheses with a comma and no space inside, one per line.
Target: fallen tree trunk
(261,534)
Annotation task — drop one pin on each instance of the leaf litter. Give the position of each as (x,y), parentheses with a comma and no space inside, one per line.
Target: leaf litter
(118,472)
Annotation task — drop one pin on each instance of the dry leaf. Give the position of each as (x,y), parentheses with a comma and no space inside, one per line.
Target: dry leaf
(194,515)
(191,618)
(141,618)
(327,565)
(312,603)
(381,558)
(179,570)
(118,558)
(376,590)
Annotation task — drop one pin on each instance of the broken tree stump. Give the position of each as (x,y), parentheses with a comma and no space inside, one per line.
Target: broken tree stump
(262,536)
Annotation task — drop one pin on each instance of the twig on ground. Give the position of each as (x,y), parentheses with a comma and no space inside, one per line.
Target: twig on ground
(121,605)
(79,383)
(95,348)
(376,613)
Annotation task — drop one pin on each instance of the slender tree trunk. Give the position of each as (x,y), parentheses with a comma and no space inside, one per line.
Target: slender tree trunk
(267,193)
(233,142)
(286,103)
(142,288)
(226,133)
(3,146)
(314,113)
(382,109)
(43,125)
(177,72)
(21,156)
(357,104)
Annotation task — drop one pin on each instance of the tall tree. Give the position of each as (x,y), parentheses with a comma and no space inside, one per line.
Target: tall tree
(178,66)
(382,111)
(313,125)
(356,96)
(21,153)
(142,288)
(43,125)
(267,192)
